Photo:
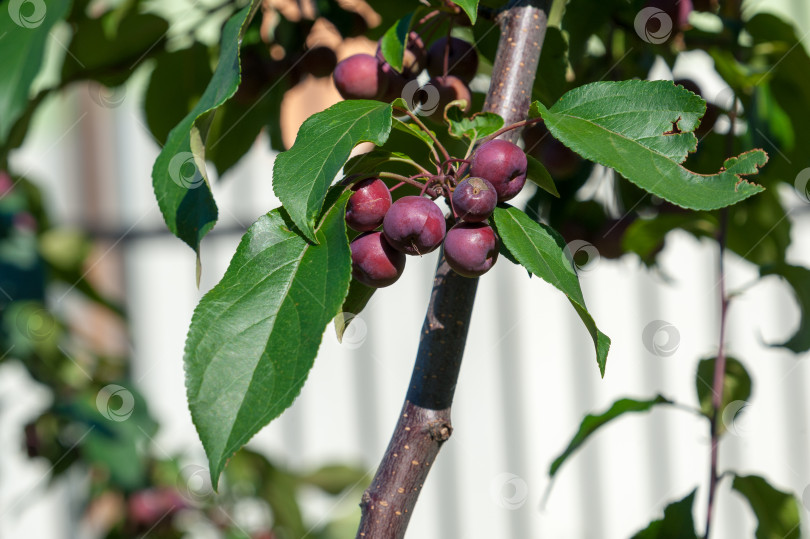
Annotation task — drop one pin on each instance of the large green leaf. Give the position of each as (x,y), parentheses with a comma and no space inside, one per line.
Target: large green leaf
(799,278)
(23,34)
(736,386)
(591,423)
(254,336)
(542,251)
(178,176)
(777,512)
(678,522)
(303,174)
(643,130)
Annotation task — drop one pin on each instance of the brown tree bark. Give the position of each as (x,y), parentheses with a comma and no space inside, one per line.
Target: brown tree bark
(424,423)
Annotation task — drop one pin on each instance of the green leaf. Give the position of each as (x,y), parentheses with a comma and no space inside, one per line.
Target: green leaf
(736,385)
(645,237)
(108,50)
(799,278)
(478,126)
(254,336)
(175,87)
(624,125)
(412,129)
(356,300)
(537,174)
(372,162)
(777,512)
(178,175)
(23,35)
(393,42)
(541,250)
(678,522)
(470,7)
(591,423)
(303,174)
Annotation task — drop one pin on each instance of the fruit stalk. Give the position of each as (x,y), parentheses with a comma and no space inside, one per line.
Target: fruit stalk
(424,423)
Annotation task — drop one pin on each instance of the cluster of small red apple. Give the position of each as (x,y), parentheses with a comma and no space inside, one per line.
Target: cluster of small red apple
(415,225)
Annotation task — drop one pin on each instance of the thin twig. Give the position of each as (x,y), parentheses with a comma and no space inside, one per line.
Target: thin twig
(424,128)
(718,383)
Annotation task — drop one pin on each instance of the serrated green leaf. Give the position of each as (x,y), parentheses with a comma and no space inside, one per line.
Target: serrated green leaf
(478,126)
(356,300)
(629,126)
(254,336)
(541,250)
(394,41)
(678,522)
(591,423)
(736,386)
(538,175)
(777,512)
(470,7)
(303,174)
(22,48)
(178,175)
(799,278)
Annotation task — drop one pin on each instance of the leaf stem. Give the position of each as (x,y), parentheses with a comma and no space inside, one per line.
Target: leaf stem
(424,128)
(718,383)
(401,178)
(507,128)
(419,167)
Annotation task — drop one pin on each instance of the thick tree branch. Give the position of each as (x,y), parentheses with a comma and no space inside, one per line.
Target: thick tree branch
(424,423)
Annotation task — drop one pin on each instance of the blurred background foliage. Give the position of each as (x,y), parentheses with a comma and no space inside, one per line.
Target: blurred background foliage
(132,486)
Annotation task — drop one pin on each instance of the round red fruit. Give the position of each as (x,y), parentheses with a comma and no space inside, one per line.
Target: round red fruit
(374,262)
(503,164)
(474,199)
(471,249)
(414,225)
(367,206)
(360,77)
